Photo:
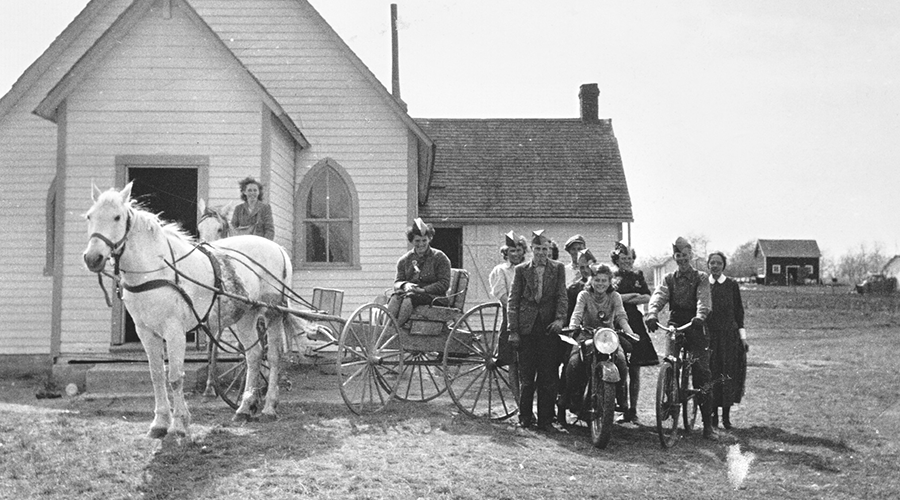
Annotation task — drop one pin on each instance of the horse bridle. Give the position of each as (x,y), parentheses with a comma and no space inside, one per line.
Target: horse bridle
(117,248)
(207,214)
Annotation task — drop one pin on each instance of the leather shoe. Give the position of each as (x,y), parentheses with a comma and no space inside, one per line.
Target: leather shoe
(726,423)
(710,432)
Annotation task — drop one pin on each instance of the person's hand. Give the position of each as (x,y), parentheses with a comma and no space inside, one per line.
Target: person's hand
(746,345)
(697,323)
(555,328)
(652,324)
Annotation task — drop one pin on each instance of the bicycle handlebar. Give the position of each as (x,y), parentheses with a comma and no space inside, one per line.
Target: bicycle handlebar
(673,329)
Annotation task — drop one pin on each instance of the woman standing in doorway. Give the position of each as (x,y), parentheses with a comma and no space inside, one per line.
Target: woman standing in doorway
(253,216)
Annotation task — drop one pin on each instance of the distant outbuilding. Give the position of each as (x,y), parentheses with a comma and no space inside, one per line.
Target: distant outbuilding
(787,262)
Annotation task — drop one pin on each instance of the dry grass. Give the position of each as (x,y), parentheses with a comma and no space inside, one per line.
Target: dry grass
(821,416)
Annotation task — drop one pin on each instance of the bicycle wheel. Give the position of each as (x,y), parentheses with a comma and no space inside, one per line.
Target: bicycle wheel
(689,403)
(668,408)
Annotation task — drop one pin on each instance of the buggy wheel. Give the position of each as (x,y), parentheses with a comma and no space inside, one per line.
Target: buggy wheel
(478,382)
(369,359)
(603,404)
(668,408)
(228,364)
(422,377)
(689,400)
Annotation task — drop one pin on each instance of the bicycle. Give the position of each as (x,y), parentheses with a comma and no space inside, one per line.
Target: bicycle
(675,396)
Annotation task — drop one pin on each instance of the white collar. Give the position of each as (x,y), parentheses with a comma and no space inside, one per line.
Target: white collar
(719,281)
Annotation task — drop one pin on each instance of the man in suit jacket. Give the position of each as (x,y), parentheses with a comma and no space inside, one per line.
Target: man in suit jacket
(536,315)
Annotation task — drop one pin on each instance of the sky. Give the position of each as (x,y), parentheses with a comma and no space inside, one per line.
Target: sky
(735,120)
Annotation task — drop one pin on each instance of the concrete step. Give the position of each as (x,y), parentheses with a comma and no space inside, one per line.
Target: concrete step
(134,378)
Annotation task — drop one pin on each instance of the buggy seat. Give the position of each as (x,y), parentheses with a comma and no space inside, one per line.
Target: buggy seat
(430,320)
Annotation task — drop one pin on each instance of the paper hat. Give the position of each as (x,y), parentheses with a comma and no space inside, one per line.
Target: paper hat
(511,239)
(538,238)
(420,228)
(574,239)
(585,257)
(680,245)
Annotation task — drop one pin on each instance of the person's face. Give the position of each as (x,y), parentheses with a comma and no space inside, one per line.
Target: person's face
(626,261)
(683,258)
(716,265)
(600,283)
(251,192)
(421,243)
(541,253)
(515,255)
(585,269)
(574,248)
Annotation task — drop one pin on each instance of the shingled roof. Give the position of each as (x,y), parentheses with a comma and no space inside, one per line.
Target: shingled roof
(497,169)
(788,248)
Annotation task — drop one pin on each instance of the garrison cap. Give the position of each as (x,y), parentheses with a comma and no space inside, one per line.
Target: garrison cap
(574,239)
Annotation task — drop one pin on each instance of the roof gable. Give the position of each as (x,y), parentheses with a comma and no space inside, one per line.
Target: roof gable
(494,168)
(114,35)
(787,248)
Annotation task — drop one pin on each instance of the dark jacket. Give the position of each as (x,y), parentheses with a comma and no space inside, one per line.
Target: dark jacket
(524,310)
(431,271)
(260,223)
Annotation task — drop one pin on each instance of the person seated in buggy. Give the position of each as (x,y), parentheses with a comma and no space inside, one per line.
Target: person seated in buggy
(423,274)
(598,305)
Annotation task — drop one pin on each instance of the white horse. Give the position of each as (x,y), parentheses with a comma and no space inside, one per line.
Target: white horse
(214,223)
(168,283)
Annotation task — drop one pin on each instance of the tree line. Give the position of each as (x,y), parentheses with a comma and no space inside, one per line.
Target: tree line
(851,267)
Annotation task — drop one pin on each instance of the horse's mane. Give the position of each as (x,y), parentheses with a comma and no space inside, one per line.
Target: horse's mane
(170,228)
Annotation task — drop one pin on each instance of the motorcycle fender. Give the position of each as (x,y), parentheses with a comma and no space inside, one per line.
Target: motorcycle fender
(609,371)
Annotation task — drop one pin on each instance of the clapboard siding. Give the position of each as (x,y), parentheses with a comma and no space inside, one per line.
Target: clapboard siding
(28,163)
(224,126)
(281,183)
(168,87)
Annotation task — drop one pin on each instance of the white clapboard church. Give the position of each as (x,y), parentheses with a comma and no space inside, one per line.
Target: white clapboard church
(186,97)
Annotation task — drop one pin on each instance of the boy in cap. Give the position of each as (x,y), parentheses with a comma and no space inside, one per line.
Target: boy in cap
(574,245)
(536,315)
(686,292)
(501,280)
(423,273)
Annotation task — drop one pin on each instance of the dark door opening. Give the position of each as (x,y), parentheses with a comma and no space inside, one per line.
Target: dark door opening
(171,193)
(449,241)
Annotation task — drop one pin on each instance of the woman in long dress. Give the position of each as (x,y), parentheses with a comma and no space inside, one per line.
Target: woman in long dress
(727,340)
(632,287)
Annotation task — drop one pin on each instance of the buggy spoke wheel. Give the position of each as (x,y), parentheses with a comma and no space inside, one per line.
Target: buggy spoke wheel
(477,382)
(667,405)
(369,359)
(228,363)
(422,378)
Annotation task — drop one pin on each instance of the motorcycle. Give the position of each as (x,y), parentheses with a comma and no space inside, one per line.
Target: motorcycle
(598,402)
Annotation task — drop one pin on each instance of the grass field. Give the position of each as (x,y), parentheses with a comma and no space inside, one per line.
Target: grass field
(821,415)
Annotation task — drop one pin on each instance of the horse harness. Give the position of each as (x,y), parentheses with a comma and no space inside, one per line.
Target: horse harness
(118,248)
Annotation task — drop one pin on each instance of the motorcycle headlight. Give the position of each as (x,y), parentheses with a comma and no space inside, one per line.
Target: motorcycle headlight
(606,340)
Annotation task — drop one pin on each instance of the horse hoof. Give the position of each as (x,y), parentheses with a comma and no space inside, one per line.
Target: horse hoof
(267,418)
(157,433)
(240,418)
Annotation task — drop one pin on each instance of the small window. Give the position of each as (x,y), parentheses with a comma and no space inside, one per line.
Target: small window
(776,269)
(809,270)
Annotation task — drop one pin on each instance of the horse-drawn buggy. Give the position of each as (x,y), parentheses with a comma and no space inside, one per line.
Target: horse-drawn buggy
(235,291)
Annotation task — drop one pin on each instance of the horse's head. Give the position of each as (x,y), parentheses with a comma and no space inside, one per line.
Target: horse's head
(109,221)
(213,223)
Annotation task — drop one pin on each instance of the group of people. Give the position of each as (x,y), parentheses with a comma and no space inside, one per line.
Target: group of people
(544,298)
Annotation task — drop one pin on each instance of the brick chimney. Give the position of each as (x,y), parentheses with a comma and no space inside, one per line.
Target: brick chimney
(590,103)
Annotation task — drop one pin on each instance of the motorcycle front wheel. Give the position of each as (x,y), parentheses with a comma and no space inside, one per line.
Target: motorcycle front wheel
(668,407)
(603,405)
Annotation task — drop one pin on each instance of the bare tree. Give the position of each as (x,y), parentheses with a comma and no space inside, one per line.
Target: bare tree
(855,265)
